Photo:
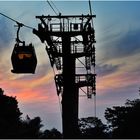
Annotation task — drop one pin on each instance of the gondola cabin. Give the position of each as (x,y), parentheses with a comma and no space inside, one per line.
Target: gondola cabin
(23,58)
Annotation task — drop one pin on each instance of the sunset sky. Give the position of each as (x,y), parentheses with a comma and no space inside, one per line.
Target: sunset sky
(117,31)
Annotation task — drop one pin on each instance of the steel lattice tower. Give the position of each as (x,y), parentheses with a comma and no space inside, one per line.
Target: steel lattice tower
(70,38)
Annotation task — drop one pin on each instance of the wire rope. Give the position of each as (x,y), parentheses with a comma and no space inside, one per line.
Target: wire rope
(56,7)
(90,10)
(52,7)
(19,23)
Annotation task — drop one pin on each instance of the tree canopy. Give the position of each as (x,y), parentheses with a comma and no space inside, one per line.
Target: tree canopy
(92,127)
(10,115)
(124,121)
(11,123)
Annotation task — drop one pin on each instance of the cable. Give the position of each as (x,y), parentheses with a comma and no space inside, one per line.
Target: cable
(81,62)
(90,9)
(60,106)
(83,91)
(95,105)
(56,7)
(9,17)
(52,7)
(16,21)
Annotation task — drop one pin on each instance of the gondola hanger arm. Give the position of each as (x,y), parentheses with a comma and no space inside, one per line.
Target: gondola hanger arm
(19,26)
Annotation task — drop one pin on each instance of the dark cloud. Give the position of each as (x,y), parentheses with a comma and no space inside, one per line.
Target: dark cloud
(129,44)
(121,93)
(106,69)
(123,46)
(6,35)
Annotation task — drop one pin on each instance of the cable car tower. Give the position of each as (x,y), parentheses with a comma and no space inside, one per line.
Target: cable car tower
(68,38)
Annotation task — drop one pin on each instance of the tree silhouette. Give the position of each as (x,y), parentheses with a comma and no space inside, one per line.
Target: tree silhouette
(51,134)
(124,121)
(30,128)
(9,115)
(92,127)
(11,124)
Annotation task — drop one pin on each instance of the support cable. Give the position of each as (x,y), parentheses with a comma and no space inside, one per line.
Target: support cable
(81,62)
(19,23)
(90,9)
(83,91)
(56,7)
(95,105)
(60,106)
(52,7)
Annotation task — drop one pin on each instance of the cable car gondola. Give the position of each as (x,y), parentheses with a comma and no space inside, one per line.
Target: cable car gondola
(23,57)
